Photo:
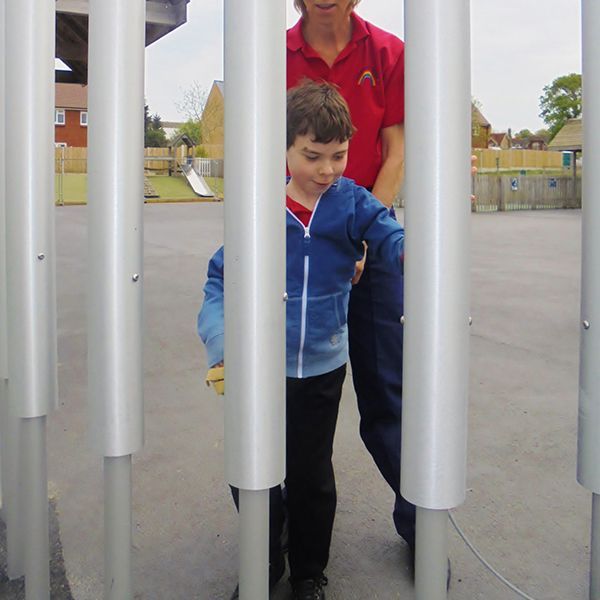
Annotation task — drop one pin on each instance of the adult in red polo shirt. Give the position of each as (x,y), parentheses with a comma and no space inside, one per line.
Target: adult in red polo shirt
(331,42)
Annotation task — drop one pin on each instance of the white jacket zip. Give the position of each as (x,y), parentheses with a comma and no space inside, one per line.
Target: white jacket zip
(304,288)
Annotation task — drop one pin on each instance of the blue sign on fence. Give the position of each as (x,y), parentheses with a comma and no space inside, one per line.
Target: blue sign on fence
(514,183)
(552,183)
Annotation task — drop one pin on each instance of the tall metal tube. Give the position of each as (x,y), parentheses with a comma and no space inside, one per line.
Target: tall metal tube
(588,447)
(254,266)
(115,239)
(255,242)
(30,251)
(3,348)
(115,243)
(118,583)
(436,330)
(254,544)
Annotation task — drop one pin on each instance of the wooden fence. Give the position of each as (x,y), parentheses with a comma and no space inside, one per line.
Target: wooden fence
(528,192)
(517,159)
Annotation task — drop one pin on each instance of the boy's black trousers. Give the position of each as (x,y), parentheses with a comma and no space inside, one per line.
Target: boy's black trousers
(312,405)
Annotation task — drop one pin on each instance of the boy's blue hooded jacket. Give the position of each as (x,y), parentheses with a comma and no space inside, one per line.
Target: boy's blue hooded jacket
(320,266)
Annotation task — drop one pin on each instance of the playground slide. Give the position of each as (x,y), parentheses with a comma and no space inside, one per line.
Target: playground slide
(197,182)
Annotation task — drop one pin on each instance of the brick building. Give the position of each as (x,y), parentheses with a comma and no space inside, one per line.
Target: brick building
(70,115)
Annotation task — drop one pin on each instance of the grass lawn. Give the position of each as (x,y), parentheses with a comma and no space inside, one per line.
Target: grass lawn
(74,188)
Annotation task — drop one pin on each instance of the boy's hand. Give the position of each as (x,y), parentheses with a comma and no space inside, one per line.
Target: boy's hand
(359,267)
(216,378)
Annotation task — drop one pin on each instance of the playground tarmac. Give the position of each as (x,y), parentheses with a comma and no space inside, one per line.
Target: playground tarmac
(524,510)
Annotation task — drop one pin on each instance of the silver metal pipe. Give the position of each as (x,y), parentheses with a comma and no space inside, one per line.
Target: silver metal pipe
(595,549)
(3,315)
(118,583)
(254,269)
(254,544)
(431,557)
(31,301)
(115,213)
(437,220)
(436,327)
(588,441)
(34,501)
(30,281)
(115,242)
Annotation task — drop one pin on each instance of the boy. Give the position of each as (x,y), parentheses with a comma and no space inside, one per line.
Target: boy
(328,217)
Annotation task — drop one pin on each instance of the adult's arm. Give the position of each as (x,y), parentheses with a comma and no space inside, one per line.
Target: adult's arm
(391,173)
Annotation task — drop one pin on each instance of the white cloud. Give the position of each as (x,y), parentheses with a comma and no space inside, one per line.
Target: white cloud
(518,46)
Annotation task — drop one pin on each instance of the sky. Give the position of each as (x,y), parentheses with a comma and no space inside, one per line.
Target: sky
(517,47)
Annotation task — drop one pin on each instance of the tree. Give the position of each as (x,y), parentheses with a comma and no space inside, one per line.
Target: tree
(544,134)
(560,101)
(524,134)
(192,103)
(193,129)
(154,134)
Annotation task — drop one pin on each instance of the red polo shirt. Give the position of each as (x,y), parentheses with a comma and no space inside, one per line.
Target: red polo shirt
(369,72)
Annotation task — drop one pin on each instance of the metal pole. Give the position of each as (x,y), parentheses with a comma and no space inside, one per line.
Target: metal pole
(595,549)
(3,358)
(431,556)
(436,329)
(115,250)
(588,442)
(117,528)
(255,270)
(11,509)
(254,544)
(35,508)
(31,300)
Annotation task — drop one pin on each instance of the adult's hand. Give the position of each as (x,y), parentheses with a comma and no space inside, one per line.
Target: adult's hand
(391,174)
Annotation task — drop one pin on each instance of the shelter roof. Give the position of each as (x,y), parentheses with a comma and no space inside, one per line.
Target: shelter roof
(162,16)
(570,136)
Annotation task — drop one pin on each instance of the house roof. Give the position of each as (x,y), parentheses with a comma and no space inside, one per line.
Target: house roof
(162,16)
(71,95)
(570,137)
(478,116)
(497,137)
(221,86)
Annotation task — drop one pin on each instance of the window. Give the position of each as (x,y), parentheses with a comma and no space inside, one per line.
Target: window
(59,116)
(83,118)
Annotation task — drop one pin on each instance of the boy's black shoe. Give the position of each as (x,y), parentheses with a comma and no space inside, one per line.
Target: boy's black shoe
(309,589)
(275,574)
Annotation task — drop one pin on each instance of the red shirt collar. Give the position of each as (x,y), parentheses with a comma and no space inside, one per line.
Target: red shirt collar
(295,39)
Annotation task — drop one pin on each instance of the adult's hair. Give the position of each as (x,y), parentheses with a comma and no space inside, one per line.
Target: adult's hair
(301,8)
(318,109)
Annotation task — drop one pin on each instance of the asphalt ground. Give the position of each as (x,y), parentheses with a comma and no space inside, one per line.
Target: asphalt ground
(524,510)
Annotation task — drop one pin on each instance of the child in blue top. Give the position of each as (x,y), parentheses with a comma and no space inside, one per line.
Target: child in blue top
(328,217)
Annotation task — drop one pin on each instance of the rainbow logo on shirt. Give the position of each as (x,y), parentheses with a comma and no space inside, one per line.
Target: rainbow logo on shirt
(367,75)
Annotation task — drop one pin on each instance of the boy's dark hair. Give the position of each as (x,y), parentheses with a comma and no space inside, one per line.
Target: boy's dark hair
(318,109)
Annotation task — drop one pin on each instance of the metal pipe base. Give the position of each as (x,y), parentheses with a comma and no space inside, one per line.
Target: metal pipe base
(34,503)
(595,549)
(117,528)
(431,554)
(10,428)
(254,544)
